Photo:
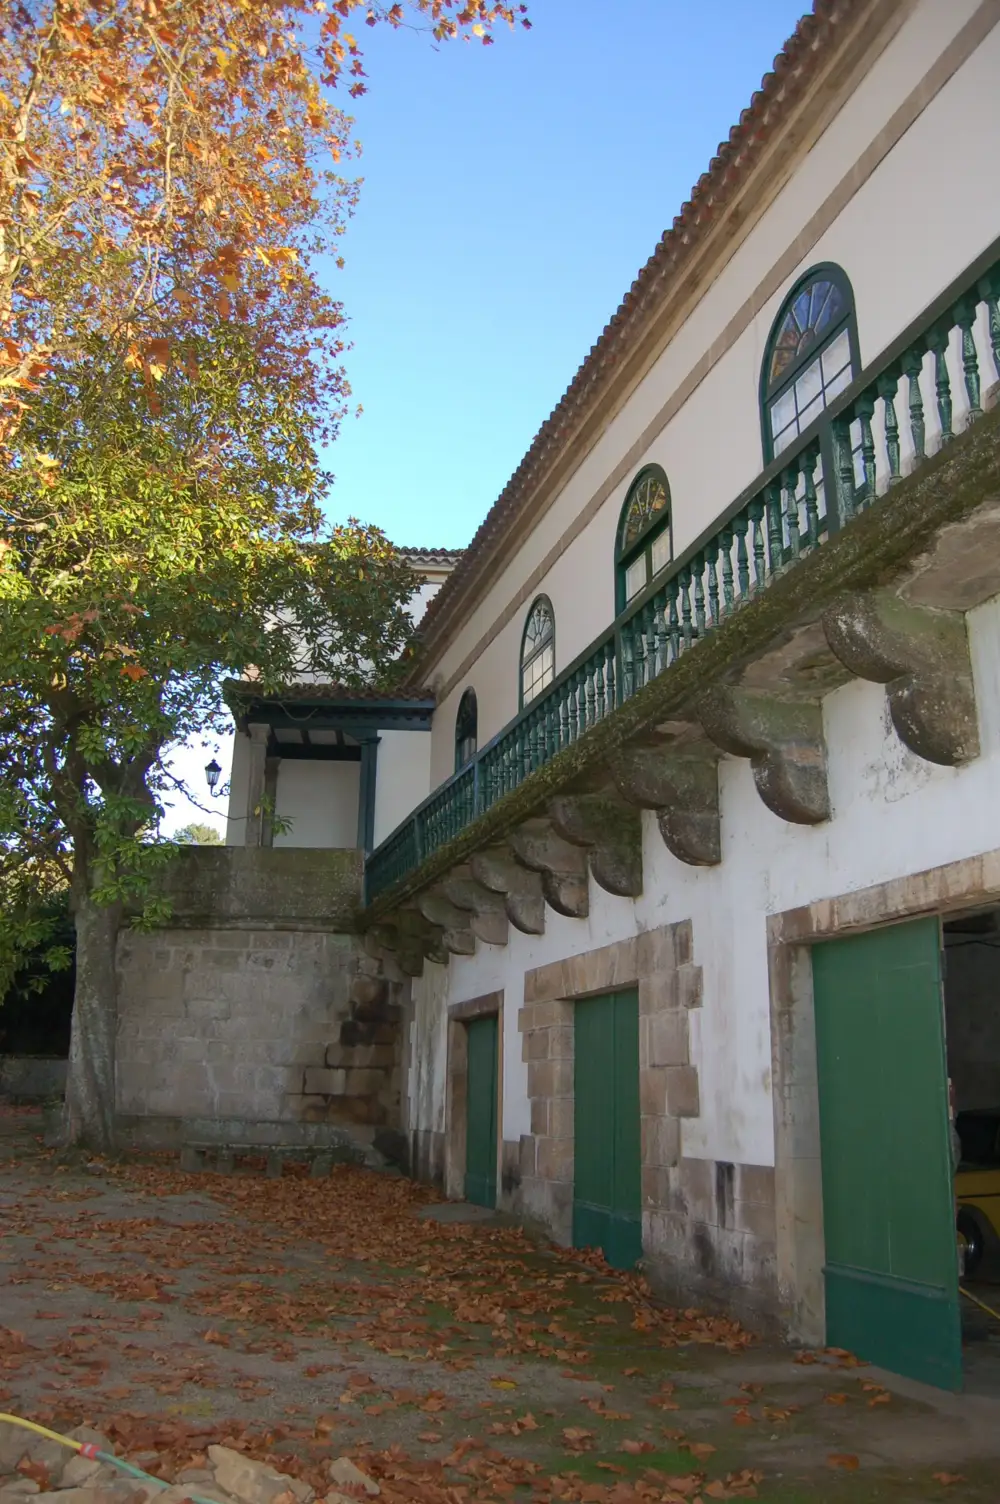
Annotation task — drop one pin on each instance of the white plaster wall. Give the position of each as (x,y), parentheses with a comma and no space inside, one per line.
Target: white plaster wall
(893,815)
(402,777)
(321,800)
(239,778)
(425,1083)
(923,215)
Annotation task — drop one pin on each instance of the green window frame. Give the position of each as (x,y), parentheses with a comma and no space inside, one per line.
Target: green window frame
(466,729)
(538,651)
(812,355)
(644,541)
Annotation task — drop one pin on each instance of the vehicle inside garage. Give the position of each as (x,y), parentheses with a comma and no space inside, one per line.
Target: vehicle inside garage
(971,965)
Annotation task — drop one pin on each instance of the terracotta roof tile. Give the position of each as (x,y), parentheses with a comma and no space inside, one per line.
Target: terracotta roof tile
(781,89)
(445,554)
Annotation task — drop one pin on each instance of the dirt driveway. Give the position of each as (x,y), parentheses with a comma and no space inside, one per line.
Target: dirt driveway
(301,1319)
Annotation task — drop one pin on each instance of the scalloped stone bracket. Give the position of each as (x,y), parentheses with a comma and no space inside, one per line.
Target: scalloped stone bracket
(483,910)
(612,834)
(524,902)
(562,866)
(457,937)
(684,791)
(785,744)
(922,658)
(402,940)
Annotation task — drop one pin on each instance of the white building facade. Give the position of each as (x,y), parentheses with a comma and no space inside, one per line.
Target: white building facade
(706,830)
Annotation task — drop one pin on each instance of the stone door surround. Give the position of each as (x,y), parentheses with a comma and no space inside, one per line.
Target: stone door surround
(952,888)
(659,963)
(456,1101)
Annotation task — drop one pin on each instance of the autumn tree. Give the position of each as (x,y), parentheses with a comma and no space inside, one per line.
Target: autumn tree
(170,366)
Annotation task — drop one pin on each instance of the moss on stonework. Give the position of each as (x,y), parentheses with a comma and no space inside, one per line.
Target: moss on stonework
(264,887)
(871,551)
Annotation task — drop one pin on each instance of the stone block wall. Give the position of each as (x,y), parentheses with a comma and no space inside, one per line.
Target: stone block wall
(256,1025)
(264,1009)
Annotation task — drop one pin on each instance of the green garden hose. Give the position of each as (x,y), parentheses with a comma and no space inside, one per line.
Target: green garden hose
(89,1450)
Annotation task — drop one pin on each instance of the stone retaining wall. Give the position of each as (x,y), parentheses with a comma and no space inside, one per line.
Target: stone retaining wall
(258,1003)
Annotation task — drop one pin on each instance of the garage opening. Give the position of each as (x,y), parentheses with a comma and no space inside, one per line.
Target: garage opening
(971,967)
(908,1071)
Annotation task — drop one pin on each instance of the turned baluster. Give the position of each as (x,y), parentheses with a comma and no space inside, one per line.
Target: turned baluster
(965,318)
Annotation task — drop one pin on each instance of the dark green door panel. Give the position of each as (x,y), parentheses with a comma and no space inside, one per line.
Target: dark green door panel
(481,1112)
(607,1200)
(888,1202)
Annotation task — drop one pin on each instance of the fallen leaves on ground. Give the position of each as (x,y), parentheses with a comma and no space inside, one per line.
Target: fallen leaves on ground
(843,1459)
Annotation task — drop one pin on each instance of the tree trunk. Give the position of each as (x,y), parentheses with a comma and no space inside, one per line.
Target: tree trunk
(89,1115)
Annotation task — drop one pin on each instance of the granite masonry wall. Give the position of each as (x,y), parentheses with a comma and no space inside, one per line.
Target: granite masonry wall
(258,1005)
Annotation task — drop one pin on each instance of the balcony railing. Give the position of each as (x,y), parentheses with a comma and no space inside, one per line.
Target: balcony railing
(903,407)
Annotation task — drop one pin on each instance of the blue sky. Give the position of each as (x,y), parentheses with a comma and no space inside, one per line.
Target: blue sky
(511,194)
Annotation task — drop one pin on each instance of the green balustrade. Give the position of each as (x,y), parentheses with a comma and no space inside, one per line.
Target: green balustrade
(869,437)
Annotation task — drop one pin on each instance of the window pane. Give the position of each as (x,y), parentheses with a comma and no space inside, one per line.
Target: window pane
(838,384)
(808,387)
(836,357)
(807,414)
(782,412)
(659,552)
(538,674)
(635,577)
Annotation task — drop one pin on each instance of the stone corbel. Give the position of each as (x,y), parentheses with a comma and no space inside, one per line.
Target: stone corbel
(684,791)
(524,903)
(457,938)
(922,658)
(453,900)
(612,834)
(385,944)
(561,865)
(407,937)
(783,740)
(483,910)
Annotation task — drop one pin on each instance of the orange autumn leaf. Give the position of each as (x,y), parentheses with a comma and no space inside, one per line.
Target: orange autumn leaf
(843,1459)
(948,1479)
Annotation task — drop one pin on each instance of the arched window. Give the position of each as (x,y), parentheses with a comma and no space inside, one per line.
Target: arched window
(538,650)
(466,729)
(812,355)
(644,545)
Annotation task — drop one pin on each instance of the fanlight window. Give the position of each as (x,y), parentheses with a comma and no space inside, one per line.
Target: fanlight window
(811,356)
(644,541)
(538,650)
(466,729)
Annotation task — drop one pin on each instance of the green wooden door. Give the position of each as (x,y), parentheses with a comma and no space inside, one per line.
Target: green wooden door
(607,1205)
(891,1267)
(481,1112)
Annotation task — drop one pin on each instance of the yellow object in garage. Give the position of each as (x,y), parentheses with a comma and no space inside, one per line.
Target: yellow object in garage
(977,1192)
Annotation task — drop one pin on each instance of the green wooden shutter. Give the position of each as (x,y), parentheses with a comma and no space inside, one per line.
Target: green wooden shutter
(481,1112)
(607,1191)
(891,1267)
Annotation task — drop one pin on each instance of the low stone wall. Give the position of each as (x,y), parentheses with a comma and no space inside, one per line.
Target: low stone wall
(257,1005)
(31,1078)
(264,887)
